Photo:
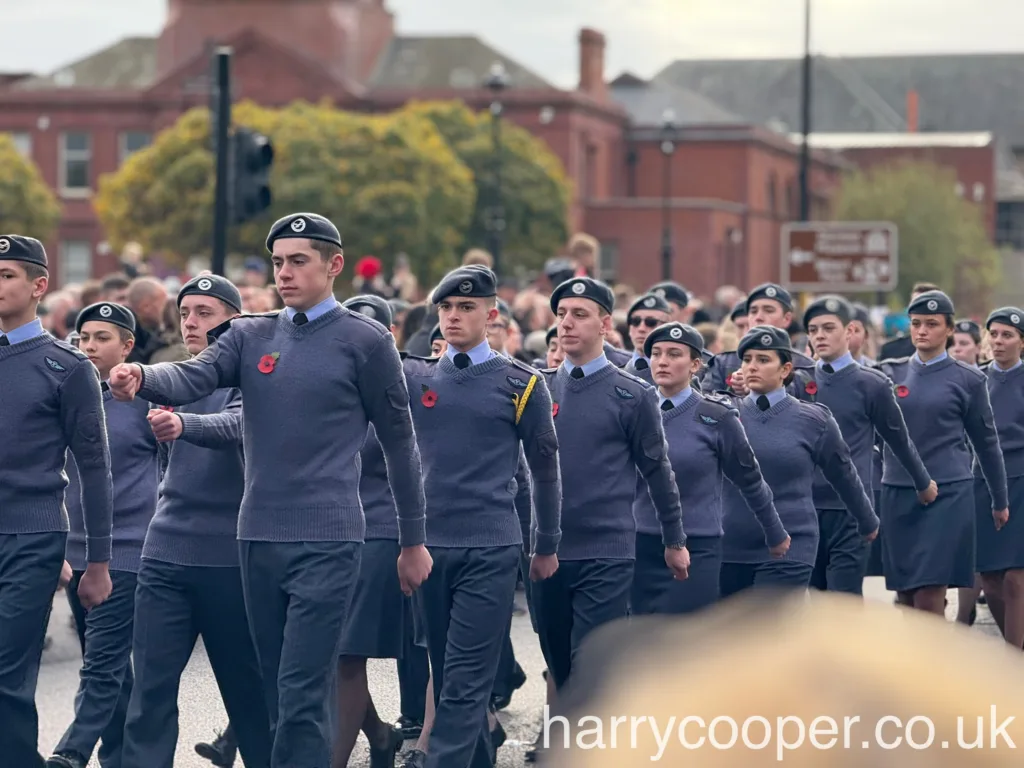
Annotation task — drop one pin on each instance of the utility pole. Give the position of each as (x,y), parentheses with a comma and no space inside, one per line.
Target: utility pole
(805,129)
(221,126)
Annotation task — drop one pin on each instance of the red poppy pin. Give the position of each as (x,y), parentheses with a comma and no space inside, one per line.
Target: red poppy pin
(902,391)
(811,388)
(429,398)
(554,410)
(267,362)
(165,408)
(728,380)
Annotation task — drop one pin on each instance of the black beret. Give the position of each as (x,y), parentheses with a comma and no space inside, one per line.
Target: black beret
(19,248)
(740,310)
(504,310)
(968,326)
(584,288)
(678,333)
(212,285)
(931,303)
(473,282)
(552,331)
(374,307)
(435,334)
(1008,316)
(650,301)
(829,305)
(311,226)
(770,337)
(861,315)
(670,291)
(107,312)
(770,291)
(558,266)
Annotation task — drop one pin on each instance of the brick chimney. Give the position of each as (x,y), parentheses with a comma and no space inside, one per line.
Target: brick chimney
(912,111)
(592,82)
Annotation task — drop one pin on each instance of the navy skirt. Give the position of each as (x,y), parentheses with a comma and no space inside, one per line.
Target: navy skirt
(375,623)
(656,590)
(999,550)
(928,546)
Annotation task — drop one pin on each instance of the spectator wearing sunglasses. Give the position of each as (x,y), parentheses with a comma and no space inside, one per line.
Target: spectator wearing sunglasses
(645,314)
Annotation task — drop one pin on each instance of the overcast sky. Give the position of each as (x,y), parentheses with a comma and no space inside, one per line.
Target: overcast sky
(643,35)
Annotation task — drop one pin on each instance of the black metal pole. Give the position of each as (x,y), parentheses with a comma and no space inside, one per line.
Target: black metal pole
(221,128)
(499,211)
(805,129)
(666,219)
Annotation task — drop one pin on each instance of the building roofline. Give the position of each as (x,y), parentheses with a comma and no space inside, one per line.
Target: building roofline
(515,97)
(841,141)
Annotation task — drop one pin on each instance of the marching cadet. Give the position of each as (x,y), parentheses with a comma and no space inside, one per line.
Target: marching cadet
(51,402)
(767,305)
(374,627)
(791,439)
(1001,553)
(645,314)
(189,583)
(862,402)
(677,297)
(472,410)
(609,427)
(967,342)
(945,403)
(437,343)
(313,377)
(555,355)
(740,318)
(858,333)
(107,334)
(706,443)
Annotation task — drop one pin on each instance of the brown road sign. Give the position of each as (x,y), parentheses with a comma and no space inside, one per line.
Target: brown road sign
(840,257)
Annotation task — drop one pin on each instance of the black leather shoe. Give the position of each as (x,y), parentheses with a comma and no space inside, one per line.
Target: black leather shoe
(384,755)
(221,751)
(66,760)
(410,728)
(414,758)
(501,701)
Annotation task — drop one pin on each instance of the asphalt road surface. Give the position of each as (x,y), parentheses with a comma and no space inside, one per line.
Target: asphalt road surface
(202,713)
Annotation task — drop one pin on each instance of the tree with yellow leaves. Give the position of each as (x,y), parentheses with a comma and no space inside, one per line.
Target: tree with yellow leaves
(27,205)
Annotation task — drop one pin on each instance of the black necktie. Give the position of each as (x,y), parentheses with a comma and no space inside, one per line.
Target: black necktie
(667,405)
(641,364)
(461,360)
(577,373)
(827,368)
(4,341)
(300,318)
(762,403)
(104,387)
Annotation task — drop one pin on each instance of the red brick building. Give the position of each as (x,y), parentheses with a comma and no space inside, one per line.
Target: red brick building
(724,192)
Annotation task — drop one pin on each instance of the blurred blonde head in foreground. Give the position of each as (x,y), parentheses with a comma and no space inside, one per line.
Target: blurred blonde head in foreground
(786,678)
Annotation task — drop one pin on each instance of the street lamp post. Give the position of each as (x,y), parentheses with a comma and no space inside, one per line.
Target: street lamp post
(496,83)
(668,148)
(805,119)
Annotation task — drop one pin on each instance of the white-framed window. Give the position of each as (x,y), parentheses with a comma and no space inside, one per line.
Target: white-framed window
(75,261)
(23,141)
(75,163)
(130,142)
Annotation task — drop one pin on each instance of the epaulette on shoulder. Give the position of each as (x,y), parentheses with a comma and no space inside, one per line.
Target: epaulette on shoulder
(548,372)
(817,408)
(874,370)
(986,365)
(517,363)
(716,403)
(407,356)
(215,333)
(70,349)
(976,371)
(894,361)
(632,377)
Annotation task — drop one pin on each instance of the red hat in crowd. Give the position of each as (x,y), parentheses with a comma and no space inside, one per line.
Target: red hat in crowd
(368,267)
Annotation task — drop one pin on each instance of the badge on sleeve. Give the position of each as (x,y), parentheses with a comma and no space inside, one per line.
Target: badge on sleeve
(625,394)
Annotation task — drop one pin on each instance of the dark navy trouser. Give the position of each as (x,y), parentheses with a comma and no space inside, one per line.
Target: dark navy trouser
(413,671)
(581,596)
(105,681)
(467,601)
(506,665)
(774,574)
(842,554)
(30,566)
(174,605)
(296,598)
(656,589)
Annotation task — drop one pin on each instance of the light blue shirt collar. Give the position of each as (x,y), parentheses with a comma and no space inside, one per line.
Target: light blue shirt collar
(313,313)
(1013,367)
(678,399)
(865,360)
(481,353)
(590,368)
(934,360)
(25,332)
(774,398)
(638,356)
(839,363)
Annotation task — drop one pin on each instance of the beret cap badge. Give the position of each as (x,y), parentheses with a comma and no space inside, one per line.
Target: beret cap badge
(298,225)
(205,284)
(1015,319)
(106,311)
(770,292)
(5,245)
(832,305)
(766,339)
(465,286)
(578,288)
(649,302)
(676,333)
(933,304)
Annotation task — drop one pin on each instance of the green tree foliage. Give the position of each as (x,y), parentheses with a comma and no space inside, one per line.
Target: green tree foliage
(27,205)
(535,192)
(942,238)
(410,182)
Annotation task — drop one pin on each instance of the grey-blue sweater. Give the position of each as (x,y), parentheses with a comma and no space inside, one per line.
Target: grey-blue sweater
(134,464)
(609,428)
(50,401)
(945,404)
(706,444)
(305,422)
(791,440)
(196,521)
(862,402)
(1006,393)
(466,427)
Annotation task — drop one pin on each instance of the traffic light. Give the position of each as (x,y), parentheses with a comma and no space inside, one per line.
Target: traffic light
(253,158)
